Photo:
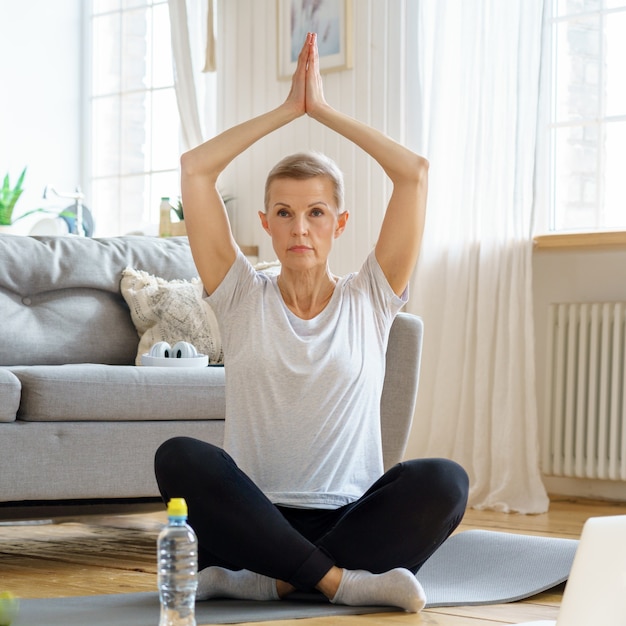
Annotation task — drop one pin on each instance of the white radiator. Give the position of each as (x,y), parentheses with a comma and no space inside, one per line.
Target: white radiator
(585,429)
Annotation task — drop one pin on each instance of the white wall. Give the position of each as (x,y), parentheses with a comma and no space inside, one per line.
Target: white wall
(40,104)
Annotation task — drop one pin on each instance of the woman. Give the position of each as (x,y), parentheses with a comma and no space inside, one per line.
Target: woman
(297,500)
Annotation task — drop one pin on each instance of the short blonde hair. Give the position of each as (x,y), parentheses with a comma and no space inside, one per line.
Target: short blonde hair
(305,165)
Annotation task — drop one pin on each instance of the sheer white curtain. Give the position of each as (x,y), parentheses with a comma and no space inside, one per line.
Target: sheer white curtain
(473,284)
(193,51)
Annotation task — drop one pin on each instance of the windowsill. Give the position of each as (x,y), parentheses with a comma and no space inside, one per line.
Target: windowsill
(591,240)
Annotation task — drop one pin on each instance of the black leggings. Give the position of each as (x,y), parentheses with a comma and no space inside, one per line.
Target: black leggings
(399,522)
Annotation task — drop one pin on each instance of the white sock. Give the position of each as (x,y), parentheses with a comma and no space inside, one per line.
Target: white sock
(397,587)
(217,582)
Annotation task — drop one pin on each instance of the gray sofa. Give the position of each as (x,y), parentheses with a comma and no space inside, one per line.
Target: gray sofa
(78,419)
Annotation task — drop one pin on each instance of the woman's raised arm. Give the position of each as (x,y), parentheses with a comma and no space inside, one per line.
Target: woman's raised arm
(400,236)
(210,237)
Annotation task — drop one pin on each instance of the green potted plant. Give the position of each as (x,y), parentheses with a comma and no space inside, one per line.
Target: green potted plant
(8,199)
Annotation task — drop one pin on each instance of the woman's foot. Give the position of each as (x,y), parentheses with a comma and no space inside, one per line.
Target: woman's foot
(397,587)
(218,582)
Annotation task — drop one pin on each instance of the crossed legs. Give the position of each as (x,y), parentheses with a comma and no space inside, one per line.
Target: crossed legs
(394,527)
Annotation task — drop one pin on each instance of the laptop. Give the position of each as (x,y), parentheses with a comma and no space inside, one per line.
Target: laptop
(595,593)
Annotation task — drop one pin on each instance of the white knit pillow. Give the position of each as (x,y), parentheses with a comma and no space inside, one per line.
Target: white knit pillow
(170,310)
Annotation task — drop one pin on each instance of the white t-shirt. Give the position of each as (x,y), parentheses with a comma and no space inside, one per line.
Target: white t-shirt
(303,396)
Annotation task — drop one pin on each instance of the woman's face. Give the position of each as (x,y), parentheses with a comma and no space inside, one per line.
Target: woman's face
(302,221)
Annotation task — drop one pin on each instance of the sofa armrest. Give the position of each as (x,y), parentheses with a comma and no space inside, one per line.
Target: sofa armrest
(397,404)
(10,394)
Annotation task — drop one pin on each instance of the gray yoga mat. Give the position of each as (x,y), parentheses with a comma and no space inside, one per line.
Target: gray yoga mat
(142,609)
(486,567)
(472,567)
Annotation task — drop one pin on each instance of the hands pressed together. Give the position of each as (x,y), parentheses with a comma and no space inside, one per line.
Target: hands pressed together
(307,93)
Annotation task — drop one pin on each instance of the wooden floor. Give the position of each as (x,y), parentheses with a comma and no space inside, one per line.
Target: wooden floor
(88,555)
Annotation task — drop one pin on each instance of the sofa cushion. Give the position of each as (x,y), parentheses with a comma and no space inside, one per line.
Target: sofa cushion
(93,392)
(170,311)
(61,295)
(10,391)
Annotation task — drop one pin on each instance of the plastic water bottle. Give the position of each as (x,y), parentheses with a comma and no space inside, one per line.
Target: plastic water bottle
(177,556)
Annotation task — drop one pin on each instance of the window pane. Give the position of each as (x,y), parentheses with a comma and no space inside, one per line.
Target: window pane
(106,206)
(106,36)
(134,49)
(104,6)
(572,7)
(578,68)
(162,72)
(575,177)
(129,4)
(615,176)
(165,144)
(105,136)
(615,63)
(134,133)
(132,203)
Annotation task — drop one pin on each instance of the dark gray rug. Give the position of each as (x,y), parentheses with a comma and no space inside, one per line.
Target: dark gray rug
(472,567)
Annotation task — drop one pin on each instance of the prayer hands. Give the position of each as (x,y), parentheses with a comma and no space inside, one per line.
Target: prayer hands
(307,93)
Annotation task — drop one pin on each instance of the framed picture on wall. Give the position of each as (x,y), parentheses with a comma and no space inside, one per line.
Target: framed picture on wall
(330,19)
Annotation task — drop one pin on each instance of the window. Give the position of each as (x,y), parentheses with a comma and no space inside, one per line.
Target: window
(134,120)
(588,115)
